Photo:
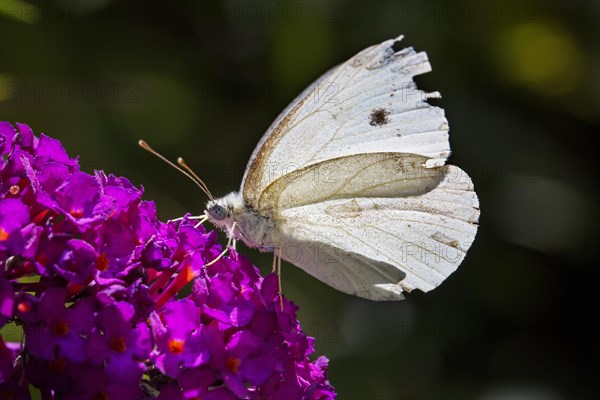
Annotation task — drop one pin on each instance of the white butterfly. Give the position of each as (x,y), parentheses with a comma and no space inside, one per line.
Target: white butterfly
(349,182)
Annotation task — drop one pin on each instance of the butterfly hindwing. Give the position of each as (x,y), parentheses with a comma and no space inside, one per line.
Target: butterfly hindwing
(377,247)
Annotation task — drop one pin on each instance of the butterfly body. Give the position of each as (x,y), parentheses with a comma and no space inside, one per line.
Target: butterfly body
(241,222)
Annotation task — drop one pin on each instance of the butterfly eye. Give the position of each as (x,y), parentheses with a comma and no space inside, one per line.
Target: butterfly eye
(217,212)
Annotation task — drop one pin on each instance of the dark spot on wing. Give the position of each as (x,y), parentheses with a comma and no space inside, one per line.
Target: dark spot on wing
(379,117)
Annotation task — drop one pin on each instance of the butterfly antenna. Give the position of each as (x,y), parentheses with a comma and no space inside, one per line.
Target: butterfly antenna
(181,162)
(200,184)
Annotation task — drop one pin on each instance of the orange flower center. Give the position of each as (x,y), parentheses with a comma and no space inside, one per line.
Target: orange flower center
(14,190)
(176,346)
(24,307)
(61,328)
(102,262)
(77,213)
(40,217)
(3,235)
(118,344)
(233,364)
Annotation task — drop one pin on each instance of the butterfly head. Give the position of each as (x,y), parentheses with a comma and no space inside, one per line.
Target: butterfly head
(240,221)
(222,211)
(217,212)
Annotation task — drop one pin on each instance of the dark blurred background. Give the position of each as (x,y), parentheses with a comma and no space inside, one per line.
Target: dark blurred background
(203,80)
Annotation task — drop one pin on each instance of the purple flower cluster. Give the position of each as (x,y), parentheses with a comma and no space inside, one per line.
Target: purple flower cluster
(93,278)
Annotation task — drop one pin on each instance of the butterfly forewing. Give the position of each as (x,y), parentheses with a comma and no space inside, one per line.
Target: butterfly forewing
(367,104)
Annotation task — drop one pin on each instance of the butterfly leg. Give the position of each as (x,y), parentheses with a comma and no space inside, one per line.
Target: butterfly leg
(229,245)
(274,266)
(201,220)
(232,242)
(278,258)
(190,217)
(217,258)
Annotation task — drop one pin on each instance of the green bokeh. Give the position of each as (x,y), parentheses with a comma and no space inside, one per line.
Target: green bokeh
(203,80)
